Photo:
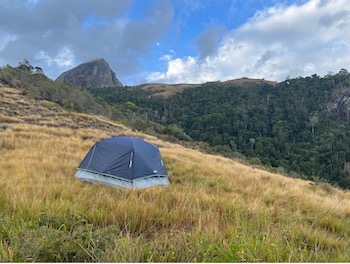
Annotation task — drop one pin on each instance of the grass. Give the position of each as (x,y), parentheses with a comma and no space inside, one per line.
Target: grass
(215,210)
(165,90)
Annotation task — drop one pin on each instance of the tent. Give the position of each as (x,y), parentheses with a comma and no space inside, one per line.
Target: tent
(123,161)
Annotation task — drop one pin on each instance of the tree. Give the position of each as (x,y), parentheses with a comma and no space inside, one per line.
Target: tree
(25,65)
(313,120)
(38,70)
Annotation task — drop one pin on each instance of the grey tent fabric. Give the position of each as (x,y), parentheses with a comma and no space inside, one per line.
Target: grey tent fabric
(127,162)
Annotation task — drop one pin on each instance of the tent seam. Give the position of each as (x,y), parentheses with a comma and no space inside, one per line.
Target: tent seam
(93,152)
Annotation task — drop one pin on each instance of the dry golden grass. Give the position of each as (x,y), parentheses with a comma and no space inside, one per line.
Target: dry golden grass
(208,195)
(165,90)
(215,209)
(248,81)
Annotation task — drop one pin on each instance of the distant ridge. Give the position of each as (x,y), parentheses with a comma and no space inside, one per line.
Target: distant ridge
(166,90)
(96,73)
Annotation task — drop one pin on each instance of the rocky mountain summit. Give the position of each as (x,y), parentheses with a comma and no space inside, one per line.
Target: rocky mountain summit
(96,73)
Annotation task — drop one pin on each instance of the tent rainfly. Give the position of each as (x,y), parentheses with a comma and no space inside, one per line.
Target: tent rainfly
(127,162)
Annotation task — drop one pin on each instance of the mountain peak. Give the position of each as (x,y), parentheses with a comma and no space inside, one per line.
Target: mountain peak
(95,73)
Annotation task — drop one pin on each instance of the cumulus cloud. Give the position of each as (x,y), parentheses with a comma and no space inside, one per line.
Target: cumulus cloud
(277,42)
(64,58)
(64,33)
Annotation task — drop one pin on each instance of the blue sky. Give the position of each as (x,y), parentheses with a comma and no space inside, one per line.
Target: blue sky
(176,41)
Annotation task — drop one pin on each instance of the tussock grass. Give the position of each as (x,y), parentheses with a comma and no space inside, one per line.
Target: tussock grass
(214,210)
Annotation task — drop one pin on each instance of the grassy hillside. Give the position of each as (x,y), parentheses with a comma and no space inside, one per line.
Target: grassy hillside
(167,90)
(214,210)
(164,90)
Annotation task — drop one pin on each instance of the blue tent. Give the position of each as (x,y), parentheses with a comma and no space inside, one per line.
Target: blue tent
(123,161)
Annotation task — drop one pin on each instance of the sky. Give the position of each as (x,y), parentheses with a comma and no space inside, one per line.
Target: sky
(179,41)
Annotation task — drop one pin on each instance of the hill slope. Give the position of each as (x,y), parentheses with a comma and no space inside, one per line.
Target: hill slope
(166,90)
(163,89)
(214,210)
(300,126)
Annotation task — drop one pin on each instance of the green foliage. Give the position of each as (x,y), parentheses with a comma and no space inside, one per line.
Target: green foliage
(176,131)
(82,243)
(142,112)
(131,106)
(286,126)
(250,240)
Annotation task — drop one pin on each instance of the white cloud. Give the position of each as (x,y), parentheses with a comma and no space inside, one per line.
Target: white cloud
(63,59)
(277,42)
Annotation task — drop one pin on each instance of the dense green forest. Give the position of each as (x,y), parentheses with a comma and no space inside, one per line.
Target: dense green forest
(299,126)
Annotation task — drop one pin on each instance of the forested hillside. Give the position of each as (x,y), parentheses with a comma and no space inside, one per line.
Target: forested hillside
(300,126)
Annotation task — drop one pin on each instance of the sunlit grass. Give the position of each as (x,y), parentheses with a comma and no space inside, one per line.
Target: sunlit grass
(214,210)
